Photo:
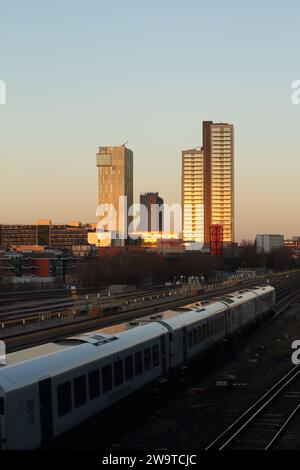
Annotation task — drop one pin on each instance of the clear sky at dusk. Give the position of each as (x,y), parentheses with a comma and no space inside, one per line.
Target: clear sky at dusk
(80,74)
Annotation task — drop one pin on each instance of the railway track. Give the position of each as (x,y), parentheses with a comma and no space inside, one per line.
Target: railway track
(52,305)
(183,427)
(14,313)
(30,313)
(82,306)
(12,316)
(7,298)
(29,338)
(47,330)
(30,302)
(262,424)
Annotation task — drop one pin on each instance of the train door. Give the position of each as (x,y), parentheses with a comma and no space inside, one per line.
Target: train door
(46,414)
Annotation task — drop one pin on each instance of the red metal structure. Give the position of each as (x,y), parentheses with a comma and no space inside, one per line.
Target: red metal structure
(216,240)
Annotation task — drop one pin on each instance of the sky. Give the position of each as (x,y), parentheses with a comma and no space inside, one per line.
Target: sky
(80,74)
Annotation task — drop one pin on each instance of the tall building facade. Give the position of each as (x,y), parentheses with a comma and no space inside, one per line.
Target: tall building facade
(218,148)
(115,187)
(208,185)
(153,220)
(193,196)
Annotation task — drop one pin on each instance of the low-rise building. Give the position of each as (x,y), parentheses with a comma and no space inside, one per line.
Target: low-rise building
(45,235)
(293,245)
(48,264)
(81,250)
(268,242)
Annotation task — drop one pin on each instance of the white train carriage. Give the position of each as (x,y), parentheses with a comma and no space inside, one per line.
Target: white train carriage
(195,328)
(192,329)
(47,390)
(241,310)
(266,301)
(244,307)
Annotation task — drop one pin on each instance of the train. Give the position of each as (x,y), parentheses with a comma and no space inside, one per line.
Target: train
(48,389)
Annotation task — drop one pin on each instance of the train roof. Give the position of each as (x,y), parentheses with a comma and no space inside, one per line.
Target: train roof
(184,316)
(51,359)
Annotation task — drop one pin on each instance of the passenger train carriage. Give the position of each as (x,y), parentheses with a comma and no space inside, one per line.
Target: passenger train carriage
(47,390)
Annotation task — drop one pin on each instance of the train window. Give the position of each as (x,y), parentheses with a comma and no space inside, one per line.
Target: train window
(204,331)
(107,378)
(1,406)
(64,398)
(138,359)
(199,333)
(79,391)
(155,355)
(190,339)
(118,373)
(94,384)
(195,337)
(129,372)
(147,359)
